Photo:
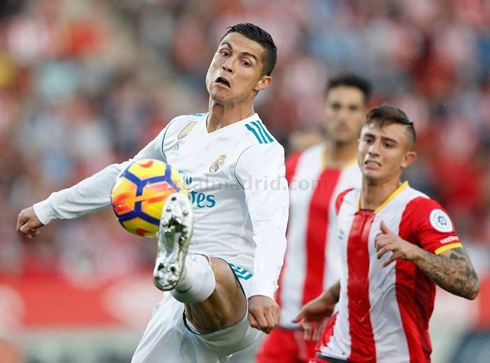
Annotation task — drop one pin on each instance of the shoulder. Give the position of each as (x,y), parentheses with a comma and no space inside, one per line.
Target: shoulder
(256,133)
(258,141)
(428,213)
(183,124)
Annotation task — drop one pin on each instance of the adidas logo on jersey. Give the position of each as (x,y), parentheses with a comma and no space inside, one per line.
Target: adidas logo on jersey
(175,150)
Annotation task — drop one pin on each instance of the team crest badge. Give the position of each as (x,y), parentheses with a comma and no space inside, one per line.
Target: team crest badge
(217,164)
(186,130)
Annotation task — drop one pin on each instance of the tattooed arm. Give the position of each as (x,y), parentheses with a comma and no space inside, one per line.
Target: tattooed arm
(452,270)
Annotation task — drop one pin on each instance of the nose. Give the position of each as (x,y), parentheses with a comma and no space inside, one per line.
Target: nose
(228,65)
(374,148)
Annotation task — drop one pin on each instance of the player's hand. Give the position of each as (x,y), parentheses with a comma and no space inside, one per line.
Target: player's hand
(314,315)
(387,241)
(263,313)
(28,224)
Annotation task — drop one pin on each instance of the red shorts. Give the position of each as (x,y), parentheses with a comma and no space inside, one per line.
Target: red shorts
(286,346)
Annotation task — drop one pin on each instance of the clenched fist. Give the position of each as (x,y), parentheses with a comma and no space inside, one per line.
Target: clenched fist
(28,224)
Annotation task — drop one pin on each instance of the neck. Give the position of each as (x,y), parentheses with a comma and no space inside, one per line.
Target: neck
(339,155)
(374,194)
(224,115)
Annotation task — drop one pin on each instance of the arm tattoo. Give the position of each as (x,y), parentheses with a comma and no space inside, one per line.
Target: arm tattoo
(453,272)
(335,291)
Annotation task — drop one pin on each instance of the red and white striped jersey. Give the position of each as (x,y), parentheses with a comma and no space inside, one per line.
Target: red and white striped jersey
(384,313)
(312,260)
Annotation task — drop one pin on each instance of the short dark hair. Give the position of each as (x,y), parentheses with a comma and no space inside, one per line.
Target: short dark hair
(386,114)
(256,33)
(351,80)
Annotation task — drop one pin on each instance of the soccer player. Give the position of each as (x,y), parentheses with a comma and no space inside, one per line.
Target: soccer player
(397,244)
(234,168)
(312,257)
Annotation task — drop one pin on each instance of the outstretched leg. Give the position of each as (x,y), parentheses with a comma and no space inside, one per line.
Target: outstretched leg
(212,294)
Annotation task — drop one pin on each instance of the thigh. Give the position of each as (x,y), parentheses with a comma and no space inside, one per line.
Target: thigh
(239,335)
(226,306)
(166,338)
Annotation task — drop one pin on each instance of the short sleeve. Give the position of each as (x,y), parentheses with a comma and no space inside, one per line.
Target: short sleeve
(433,228)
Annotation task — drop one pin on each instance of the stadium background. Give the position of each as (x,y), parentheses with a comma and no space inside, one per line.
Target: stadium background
(88,83)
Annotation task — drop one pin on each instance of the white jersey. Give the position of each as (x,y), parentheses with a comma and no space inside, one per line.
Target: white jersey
(236,182)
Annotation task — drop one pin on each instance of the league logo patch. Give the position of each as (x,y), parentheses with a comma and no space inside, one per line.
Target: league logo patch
(186,130)
(217,164)
(440,221)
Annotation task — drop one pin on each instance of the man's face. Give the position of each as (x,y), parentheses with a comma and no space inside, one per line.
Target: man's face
(383,153)
(345,113)
(234,75)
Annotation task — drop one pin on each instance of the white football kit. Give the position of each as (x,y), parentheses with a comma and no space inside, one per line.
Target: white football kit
(236,182)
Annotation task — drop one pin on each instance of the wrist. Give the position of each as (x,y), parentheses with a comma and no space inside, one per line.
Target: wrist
(416,253)
(331,296)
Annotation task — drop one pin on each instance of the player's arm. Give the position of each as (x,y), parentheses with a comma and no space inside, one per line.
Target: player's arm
(90,195)
(314,314)
(260,171)
(452,270)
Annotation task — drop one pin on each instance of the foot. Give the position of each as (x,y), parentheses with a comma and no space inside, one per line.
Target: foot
(174,236)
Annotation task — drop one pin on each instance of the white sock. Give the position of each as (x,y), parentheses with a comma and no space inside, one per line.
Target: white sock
(197,282)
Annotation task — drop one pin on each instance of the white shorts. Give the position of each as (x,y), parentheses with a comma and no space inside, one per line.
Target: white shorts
(170,338)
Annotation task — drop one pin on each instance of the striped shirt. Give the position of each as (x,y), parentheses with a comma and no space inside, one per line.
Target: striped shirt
(384,313)
(312,259)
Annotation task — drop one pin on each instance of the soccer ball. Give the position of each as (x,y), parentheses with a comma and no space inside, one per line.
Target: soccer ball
(140,192)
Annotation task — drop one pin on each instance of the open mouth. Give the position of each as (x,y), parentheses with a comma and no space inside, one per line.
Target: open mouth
(223,81)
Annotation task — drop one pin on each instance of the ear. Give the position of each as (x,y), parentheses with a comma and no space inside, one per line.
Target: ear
(263,83)
(408,159)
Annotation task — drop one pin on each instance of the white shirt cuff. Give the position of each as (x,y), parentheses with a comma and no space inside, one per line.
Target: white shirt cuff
(44,212)
(265,287)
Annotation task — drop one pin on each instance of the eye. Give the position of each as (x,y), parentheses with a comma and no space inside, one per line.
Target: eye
(225,53)
(368,140)
(388,145)
(246,63)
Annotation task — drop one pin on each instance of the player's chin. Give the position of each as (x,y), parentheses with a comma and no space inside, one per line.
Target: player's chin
(219,98)
(371,175)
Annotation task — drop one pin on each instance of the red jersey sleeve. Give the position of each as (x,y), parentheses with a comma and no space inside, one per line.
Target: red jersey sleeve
(432,227)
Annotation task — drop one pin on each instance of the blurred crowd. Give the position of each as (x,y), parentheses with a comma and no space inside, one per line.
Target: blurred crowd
(87,83)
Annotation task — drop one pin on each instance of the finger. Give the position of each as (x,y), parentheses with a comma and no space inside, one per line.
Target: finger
(271,321)
(252,321)
(26,227)
(277,313)
(308,329)
(299,317)
(20,221)
(393,257)
(317,332)
(380,243)
(261,320)
(384,228)
(384,250)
